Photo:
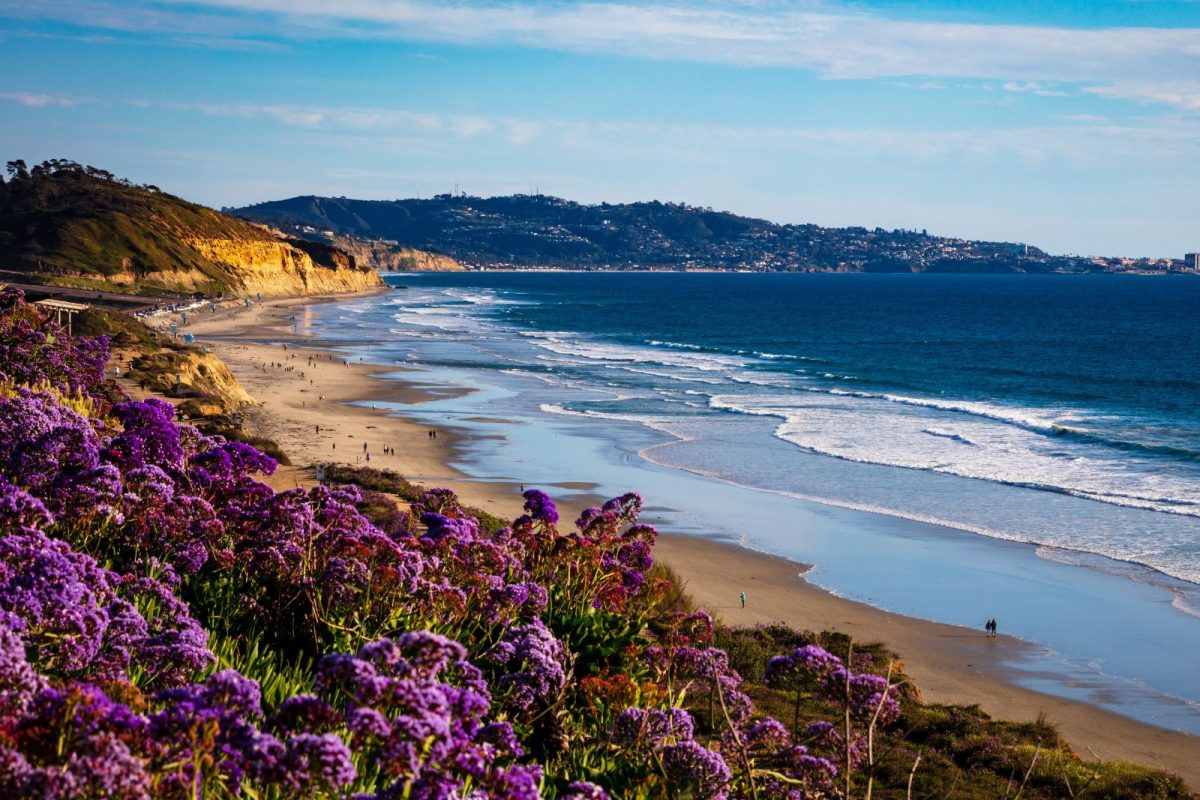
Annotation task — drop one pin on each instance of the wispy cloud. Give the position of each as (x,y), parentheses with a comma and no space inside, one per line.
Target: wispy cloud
(35,100)
(1033,87)
(830,40)
(1184,95)
(1082,140)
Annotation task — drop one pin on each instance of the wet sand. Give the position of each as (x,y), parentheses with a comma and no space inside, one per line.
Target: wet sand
(950,664)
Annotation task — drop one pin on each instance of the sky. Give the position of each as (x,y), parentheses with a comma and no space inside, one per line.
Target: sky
(1073,125)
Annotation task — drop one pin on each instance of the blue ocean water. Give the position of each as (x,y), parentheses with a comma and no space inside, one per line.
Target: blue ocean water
(1058,411)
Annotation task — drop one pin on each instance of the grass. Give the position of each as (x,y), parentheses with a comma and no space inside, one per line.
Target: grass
(124,330)
(392,483)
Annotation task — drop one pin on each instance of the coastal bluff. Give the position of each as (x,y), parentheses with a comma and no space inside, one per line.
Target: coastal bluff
(70,225)
(281,267)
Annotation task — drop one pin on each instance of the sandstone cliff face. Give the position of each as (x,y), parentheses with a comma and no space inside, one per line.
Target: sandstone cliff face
(207,374)
(378,255)
(278,268)
(198,375)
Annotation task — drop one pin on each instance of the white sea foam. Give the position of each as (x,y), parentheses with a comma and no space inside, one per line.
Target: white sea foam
(1038,448)
(602,352)
(876,429)
(773,380)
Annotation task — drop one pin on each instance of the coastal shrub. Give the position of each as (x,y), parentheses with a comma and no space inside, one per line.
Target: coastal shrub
(172,627)
(389,482)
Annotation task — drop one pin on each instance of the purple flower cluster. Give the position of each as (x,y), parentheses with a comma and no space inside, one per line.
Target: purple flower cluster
(811,669)
(76,742)
(87,622)
(540,507)
(419,709)
(693,770)
(637,728)
(582,790)
(532,663)
(202,740)
(692,766)
(36,351)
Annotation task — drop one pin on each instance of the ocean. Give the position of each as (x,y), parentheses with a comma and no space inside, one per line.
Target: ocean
(1037,435)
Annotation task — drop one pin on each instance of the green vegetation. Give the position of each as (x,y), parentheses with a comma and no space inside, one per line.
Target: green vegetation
(391,483)
(964,753)
(79,226)
(538,230)
(122,330)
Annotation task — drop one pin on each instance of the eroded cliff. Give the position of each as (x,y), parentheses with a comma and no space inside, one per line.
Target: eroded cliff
(279,268)
(68,224)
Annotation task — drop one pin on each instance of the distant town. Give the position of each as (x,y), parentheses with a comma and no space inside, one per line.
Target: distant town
(532,231)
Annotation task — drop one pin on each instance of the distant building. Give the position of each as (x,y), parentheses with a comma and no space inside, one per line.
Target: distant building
(1192,261)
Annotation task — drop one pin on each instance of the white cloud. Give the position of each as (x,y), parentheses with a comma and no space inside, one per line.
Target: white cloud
(34,100)
(833,41)
(1033,87)
(1082,141)
(1184,95)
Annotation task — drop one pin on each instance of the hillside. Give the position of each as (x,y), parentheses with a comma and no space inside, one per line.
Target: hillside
(65,223)
(543,231)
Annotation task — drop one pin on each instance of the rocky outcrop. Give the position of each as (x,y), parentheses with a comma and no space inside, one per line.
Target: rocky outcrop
(195,374)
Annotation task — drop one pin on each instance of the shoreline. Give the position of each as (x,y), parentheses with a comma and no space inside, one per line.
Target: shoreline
(950,664)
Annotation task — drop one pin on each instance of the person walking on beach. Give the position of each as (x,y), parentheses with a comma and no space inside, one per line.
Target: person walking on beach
(743,599)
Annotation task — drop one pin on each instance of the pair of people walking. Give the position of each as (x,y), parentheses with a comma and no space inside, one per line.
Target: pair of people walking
(990,627)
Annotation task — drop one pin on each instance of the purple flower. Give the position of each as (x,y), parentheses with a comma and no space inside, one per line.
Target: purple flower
(21,510)
(639,729)
(441,527)
(312,761)
(19,681)
(582,790)
(692,766)
(533,663)
(79,744)
(35,350)
(54,598)
(867,694)
(209,729)
(768,734)
(304,713)
(804,666)
(540,507)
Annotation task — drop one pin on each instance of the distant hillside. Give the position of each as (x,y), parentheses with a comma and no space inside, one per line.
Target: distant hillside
(77,225)
(537,230)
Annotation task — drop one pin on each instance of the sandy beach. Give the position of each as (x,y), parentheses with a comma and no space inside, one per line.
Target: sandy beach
(306,391)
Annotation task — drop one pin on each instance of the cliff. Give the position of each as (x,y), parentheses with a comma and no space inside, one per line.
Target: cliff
(396,258)
(72,225)
(277,268)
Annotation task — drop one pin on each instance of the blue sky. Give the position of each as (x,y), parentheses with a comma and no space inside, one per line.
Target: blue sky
(1074,126)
